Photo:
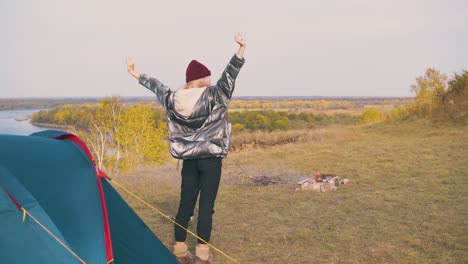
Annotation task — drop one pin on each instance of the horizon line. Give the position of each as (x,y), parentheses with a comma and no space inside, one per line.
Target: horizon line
(233,97)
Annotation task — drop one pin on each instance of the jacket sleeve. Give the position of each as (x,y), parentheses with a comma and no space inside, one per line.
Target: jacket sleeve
(162,92)
(227,81)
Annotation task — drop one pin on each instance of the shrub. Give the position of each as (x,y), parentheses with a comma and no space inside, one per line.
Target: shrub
(372,115)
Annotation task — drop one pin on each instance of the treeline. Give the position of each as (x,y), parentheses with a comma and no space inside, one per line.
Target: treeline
(120,136)
(315,104)
(253,102)
(440,97)
(82,116)
(437,97)
(39,103)
(49,103)
(269,120)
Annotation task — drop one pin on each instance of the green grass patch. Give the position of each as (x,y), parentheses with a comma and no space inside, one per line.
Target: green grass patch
(407,201)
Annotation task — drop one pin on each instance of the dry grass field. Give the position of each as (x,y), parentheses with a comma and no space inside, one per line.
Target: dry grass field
(407,201)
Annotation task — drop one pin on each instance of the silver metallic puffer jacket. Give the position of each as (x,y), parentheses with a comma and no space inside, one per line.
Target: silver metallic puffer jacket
(206,132)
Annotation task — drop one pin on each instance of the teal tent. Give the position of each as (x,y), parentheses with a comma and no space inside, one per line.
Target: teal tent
(57,207)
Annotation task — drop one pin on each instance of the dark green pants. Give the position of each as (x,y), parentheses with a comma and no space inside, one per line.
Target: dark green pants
(199,176)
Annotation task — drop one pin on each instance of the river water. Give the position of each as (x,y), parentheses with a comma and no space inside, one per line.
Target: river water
(8,124)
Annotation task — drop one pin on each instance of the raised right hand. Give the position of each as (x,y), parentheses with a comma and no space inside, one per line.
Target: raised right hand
(130,64)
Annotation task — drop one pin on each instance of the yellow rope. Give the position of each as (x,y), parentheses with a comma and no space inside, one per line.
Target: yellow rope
(168,218)
(25,212)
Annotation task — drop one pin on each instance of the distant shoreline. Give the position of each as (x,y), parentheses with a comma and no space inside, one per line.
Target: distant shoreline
(22,117)
(44,125)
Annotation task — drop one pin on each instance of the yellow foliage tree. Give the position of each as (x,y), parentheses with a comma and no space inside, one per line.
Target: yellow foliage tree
(429,89)
(142,141)
(122,137)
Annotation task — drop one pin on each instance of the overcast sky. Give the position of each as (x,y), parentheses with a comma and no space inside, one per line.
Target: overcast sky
(295,48)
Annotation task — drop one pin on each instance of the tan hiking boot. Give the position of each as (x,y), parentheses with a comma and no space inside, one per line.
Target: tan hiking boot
(182,254)
(187,259)
(203,256)
(210,260)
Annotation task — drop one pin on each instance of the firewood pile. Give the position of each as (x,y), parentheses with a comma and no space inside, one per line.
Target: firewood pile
(321,183)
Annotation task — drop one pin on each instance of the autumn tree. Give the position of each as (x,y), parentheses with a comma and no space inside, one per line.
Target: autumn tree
(143,141)
(101,131)
(456,97)
(429,89)
(257,121)
(122,137)
(281,123)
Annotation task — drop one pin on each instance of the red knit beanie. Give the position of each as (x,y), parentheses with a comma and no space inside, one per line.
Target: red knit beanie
(196,70)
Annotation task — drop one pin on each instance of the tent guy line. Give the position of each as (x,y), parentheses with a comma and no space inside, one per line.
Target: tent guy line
(25,212)
(168,218)
(50,191)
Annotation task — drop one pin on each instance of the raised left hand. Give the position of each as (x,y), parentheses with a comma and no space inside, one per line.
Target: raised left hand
(239,39)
